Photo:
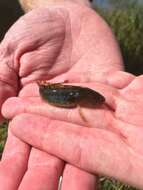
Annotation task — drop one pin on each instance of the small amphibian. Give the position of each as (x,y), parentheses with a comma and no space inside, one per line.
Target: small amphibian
(69,96)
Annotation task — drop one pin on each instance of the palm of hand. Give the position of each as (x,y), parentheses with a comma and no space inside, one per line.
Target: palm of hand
(118,137)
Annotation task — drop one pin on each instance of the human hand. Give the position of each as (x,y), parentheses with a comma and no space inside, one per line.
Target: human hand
(33,40)
(51,43)
(112,147)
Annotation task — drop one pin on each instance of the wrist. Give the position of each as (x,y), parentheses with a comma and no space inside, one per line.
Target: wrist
(28,5)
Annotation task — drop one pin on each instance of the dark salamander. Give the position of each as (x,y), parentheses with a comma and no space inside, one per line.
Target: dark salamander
(69,96)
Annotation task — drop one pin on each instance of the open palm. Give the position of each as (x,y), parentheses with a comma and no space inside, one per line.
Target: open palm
(112,145)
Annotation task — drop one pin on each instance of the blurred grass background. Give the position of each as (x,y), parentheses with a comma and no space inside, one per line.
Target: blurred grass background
(125,18)
(3,136)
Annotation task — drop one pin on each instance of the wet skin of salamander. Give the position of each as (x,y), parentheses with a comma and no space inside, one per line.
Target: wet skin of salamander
(69,96)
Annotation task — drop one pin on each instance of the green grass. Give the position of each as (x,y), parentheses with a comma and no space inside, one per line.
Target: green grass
(3,136)
(105,183)
(111,184)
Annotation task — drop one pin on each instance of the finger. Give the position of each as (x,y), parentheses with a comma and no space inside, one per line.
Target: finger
(14,163)
(43,171)
(94,150)
(134,90)
(72,115)
(120,79)
(75,179)
(37,106)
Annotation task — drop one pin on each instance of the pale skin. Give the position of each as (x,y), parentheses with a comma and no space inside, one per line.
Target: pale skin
(112,147)
(56,42)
